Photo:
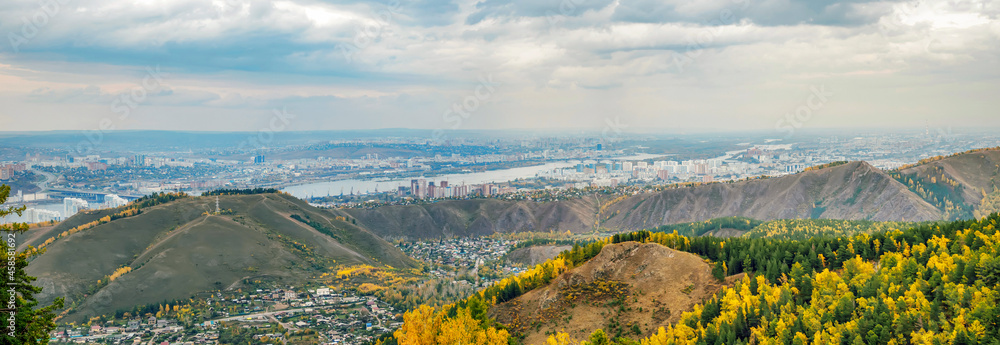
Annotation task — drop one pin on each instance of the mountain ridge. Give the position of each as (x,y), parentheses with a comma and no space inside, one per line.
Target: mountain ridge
(854,190)
(958,184)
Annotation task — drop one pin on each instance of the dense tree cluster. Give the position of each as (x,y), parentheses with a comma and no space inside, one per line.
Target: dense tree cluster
(456,324)
(701,228)
(157,199)
(931,284)
(934,283)
(934,186)
(803,229)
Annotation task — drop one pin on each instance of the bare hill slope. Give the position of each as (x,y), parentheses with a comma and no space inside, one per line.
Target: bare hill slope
(851,191)
(476,217)
(854,190)
(629,289)
(957,184)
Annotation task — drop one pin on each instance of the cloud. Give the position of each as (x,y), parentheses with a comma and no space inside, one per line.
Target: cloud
(92,94)
(759,12)
(709,12)
(358,64)
(528,8)
(88,94)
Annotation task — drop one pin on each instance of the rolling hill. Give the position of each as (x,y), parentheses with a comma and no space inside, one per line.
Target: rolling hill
(855,191)
(959,184)
(174,250)
(629,289)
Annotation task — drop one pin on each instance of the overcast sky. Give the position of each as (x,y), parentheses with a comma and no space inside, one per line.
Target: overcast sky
(632,65)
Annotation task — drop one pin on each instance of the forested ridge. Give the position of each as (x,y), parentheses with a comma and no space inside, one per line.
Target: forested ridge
(961,185)
(803,229)
(704,227)
(933,283)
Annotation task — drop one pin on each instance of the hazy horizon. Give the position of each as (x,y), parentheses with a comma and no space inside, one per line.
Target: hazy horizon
(569,130)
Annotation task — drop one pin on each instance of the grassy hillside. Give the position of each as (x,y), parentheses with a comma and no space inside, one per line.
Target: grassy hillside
(36,236)
(173,250)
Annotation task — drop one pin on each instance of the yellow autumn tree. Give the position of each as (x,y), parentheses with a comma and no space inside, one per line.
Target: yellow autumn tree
(419,327)
(561,338)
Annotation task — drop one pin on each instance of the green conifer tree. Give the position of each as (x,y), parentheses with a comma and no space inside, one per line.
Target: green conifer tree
(24,323)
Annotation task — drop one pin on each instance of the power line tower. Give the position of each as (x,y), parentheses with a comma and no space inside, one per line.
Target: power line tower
(217,211)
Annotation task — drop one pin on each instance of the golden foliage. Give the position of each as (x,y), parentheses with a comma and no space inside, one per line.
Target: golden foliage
(989,205)
(560,338)
(369,288)
(131,211)
(119,272)
(420,326)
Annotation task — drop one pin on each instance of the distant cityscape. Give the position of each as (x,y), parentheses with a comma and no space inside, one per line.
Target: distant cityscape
(57,185)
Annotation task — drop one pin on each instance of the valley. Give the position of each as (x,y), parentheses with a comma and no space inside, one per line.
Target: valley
(172,248)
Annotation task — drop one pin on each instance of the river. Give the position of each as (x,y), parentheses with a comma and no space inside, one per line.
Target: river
(362,186)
